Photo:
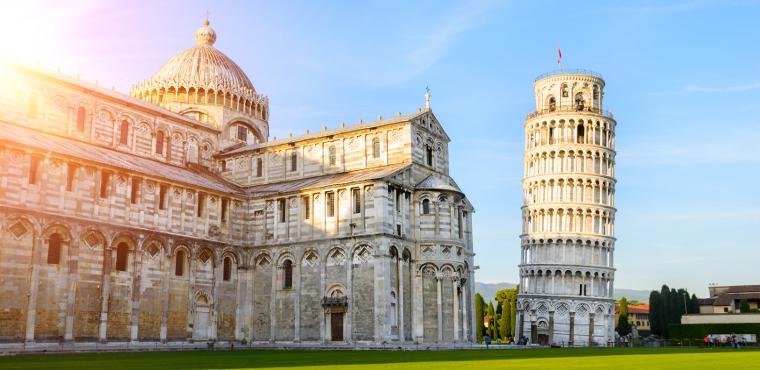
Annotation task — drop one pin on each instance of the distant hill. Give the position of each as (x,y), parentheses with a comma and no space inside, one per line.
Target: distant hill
(488,291)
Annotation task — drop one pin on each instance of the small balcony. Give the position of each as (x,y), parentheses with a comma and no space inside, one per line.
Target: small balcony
(582,108)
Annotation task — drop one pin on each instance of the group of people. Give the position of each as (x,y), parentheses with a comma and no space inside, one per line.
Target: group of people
(522,341)
(723,341)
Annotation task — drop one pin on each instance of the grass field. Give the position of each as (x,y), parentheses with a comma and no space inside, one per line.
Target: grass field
(560,359)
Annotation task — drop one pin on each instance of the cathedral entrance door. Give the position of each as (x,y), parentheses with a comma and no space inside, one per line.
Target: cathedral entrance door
(336,326)
(200,322)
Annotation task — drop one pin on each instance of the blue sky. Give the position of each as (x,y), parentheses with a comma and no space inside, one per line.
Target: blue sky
(683,80)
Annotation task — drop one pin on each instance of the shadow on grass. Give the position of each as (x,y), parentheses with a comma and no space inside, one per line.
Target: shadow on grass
(295,358)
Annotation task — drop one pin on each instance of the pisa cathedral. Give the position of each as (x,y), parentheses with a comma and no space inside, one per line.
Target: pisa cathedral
(568,213)
(171,216)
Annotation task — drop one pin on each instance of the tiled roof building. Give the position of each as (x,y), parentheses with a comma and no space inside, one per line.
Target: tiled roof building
(170,216)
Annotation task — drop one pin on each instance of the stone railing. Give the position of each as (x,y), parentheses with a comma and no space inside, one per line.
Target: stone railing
(571,108)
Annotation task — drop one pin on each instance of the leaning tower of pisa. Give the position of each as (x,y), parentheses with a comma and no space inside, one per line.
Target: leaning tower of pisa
(567,241)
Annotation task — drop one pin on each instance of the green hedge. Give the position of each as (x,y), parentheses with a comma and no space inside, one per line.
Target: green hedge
(684,331)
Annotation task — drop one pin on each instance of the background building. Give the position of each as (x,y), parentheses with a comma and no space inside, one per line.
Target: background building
(170,216)
(567,245)
(638,317)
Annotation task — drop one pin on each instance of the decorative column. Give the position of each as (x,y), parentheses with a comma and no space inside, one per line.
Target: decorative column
(551,327)
(455,290)
(533,327)
(440,306)
(571,336)
(31,313)
(591,328)
(72,287)
(400,296)
(105,293)
(136,267)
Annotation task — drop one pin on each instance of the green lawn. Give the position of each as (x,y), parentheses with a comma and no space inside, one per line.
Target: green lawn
(560,359)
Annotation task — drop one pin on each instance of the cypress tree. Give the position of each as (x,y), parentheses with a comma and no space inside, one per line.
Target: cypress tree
(694,304)
(666,305)
(479,313)
(655,313)
(491,325)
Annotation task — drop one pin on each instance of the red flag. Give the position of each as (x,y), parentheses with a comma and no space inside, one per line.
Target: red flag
(559,56)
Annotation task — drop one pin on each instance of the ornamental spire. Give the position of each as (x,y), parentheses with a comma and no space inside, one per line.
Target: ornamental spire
(427,99)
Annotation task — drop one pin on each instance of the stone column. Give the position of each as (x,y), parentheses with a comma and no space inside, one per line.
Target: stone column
(533,327)
(521,323)
(297,302)
(31,313)
(218,266)
(591,328)
(417,324)
(165,292)
(571,335)
(72,287)
(272,304)
(465,317)
(105,297)
(136,269)
(349,320)
(551,327)
(323,321)
(400,296)
(440,306)
(455,290)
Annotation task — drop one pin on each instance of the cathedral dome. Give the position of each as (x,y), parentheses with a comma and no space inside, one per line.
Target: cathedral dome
(203,75)
(204,66)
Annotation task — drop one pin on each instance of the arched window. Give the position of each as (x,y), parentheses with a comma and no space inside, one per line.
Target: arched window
(179,263)
(124,133)
(580,134)
(293,161)
(376,148)
(227,269)
(332,156)
(122,254)
(596,96)
(259,167)
(160,142)
(552,103)
(425,206)
(429,155)
(565,92)
(287,274)
(80,118)
(579,102)
(54,249)
(32,112)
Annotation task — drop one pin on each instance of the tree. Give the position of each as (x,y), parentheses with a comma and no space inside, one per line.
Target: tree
(623,326)
(743,306)
(507,299)
(694,304)
(666,307)
(655,313)
(491,327)
(479,313)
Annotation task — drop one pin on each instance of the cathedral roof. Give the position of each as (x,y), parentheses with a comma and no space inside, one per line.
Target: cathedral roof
(326,180)
(202,67)
(88,152)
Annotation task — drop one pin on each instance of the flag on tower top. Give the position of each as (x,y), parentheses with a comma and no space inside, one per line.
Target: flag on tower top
(559,56)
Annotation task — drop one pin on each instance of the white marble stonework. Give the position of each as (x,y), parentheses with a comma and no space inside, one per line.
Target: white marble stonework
(567,243)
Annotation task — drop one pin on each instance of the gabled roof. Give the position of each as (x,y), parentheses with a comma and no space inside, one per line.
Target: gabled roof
(129,162)
(321,134)
(290,186)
